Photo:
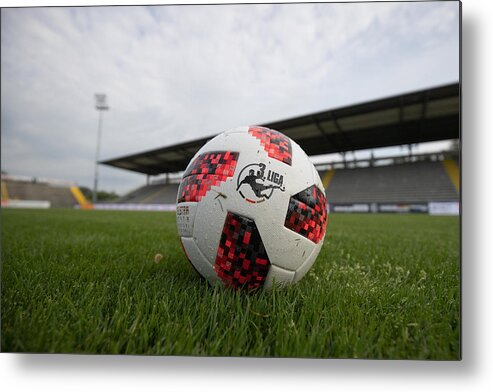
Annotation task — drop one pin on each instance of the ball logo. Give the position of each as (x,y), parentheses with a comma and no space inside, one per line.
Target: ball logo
(255,185)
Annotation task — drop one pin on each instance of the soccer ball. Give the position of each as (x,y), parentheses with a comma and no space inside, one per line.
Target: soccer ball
(251,209)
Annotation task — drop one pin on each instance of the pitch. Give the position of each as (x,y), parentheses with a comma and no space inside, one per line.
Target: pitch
(383,286)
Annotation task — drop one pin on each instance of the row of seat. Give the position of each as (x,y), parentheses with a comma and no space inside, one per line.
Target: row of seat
(152,194)
(409,182)
(402,183)
(58,196)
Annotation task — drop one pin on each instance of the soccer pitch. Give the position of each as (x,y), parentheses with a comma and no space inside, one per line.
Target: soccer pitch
(383,286)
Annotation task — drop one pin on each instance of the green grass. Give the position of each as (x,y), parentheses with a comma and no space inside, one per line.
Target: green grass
(384,286)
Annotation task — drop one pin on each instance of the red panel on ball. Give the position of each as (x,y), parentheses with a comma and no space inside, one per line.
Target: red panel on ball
(274,143)
(307,214)
(221,163)
(207,170)
(241,260)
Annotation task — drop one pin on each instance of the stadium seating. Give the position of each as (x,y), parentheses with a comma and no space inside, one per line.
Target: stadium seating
(416,182)
(58,196)
(152,194)
(402,183)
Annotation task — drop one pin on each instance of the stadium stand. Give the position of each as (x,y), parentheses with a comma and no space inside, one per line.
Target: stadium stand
(411,118)
(431,179)
(452,168)
(57,193)
(417,117)
(152,194)
(418,182)
(409,184)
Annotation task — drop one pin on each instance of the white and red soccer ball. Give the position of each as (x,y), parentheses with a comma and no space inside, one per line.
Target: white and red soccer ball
(251,209)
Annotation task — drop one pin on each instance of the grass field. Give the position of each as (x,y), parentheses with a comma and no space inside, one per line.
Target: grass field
(384,286)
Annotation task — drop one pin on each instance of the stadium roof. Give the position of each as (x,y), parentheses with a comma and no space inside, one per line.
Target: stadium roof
(416,117)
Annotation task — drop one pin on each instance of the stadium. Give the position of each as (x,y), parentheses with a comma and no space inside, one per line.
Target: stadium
(380,119)
(404,183)
(391,281)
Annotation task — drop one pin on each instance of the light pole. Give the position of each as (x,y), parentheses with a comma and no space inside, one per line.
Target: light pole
(100,106)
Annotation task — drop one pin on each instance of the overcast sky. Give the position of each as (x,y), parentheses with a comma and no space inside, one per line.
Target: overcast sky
(176,73)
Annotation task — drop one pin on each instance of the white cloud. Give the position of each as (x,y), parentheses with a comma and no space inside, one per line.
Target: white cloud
(179,73)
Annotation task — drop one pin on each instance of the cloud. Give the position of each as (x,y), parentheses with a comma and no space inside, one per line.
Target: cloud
(175,73)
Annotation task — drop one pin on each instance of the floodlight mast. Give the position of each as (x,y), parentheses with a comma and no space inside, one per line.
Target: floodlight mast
(101,106)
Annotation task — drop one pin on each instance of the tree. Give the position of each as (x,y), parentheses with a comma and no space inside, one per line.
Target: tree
(102,195)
